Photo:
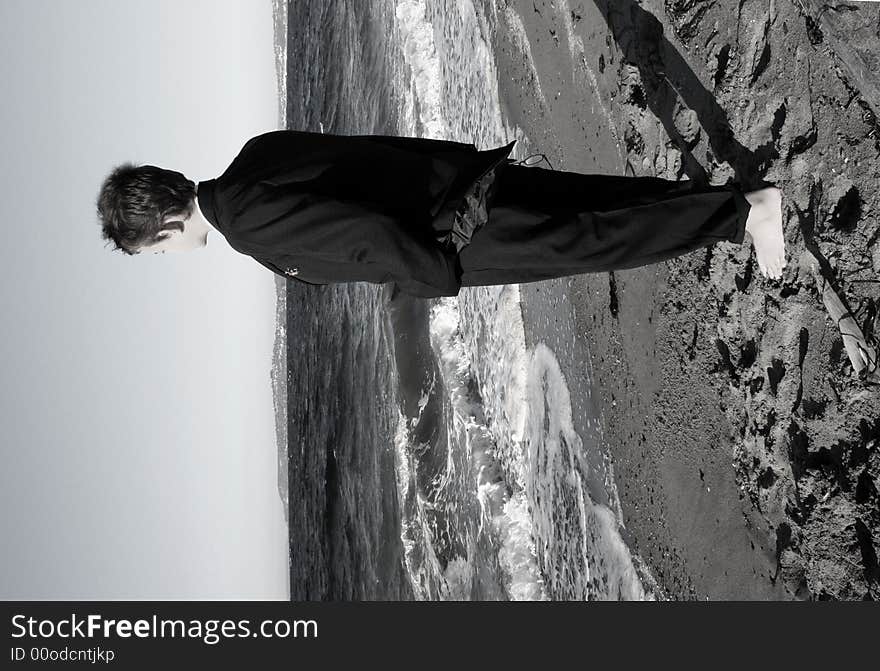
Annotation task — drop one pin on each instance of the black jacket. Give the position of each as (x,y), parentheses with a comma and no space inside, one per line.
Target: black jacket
(331,208)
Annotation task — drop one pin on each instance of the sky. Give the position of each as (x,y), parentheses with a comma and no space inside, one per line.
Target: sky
(136,419)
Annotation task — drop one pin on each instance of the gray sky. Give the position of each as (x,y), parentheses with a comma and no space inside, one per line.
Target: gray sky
(138,445)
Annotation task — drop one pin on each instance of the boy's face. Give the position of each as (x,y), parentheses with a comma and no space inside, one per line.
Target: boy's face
(173,240)
(170,241)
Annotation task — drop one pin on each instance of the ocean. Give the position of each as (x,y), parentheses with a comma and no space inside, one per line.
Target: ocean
(429,453)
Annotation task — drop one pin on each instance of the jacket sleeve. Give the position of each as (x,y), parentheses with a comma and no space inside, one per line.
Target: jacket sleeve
(285,266)
(330,240)
(285,272)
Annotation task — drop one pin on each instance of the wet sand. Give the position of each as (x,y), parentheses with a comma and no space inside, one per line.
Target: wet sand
(702,491)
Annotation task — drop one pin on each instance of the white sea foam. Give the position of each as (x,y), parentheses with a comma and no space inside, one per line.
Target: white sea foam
(583,553)
(452,92)
(506,518)
(417,43)
(517,553)
(493,332)
(402,464)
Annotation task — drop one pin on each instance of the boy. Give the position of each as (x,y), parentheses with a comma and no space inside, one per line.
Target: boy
(429,215)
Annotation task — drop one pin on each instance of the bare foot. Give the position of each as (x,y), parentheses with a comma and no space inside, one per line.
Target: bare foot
(764,224)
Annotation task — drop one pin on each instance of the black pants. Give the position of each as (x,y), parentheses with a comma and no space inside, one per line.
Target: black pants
(550,223)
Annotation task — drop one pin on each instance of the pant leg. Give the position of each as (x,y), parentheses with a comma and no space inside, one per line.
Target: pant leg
(550,223)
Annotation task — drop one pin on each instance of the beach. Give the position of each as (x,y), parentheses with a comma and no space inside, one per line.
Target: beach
(708,491)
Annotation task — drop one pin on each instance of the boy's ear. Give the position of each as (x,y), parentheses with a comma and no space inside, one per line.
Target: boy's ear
(178,222)
(163,235)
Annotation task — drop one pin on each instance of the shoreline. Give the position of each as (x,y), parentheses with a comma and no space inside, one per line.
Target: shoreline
(654,499)
(702,489)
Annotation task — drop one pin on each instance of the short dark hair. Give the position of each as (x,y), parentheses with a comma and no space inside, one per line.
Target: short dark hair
(134,201)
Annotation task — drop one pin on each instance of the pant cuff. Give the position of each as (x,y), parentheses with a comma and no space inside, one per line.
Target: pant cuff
(742,209)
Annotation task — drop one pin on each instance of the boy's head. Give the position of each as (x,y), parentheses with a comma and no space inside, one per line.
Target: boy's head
(140,206)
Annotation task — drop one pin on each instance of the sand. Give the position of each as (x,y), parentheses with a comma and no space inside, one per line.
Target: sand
(744,447)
